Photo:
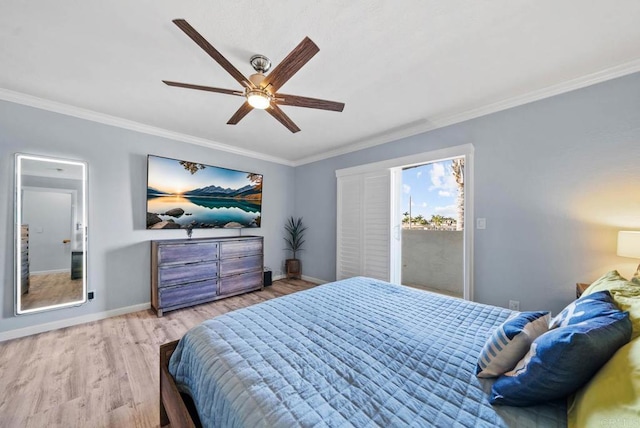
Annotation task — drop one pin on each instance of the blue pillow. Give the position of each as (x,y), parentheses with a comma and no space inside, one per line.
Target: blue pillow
(586,307)
(510,342)
(562,360)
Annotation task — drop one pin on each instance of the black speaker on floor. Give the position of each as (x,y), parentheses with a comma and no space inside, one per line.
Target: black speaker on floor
(267,278)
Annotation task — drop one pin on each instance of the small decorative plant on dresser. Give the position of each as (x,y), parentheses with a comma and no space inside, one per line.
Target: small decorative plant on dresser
(294,237)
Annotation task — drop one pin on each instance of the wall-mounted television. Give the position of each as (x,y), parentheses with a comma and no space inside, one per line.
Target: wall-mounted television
(183,194)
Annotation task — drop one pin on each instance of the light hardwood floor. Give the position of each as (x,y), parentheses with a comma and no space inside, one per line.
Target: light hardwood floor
(104,373)
(51,289)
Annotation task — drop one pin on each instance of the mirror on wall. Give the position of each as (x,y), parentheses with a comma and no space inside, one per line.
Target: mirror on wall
(51,233)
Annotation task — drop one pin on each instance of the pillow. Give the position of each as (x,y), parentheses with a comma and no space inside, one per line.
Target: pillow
(562,360)
(510,342)
(626,295)
(585,308)
(611,281)
(611,397)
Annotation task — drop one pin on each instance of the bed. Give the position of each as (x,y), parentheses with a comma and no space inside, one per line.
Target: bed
(358,352)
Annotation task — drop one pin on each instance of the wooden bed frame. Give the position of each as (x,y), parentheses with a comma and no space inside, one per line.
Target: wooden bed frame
(176,408)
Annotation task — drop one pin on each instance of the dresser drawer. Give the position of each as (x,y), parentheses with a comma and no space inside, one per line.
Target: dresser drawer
(237,283)
(240,264)
(240,248)
(180,274)
(187,253)
(187,293)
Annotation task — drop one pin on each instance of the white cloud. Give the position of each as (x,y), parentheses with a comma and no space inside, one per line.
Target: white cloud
(419,174)
(406,188)
(442,178)
(437,174)
(444,193)
(447,211)
(424,205)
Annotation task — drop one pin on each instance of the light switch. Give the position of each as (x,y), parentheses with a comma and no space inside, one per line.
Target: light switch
(481,223)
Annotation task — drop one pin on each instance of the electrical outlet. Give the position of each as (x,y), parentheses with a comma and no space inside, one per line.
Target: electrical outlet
(90,296)
(514,305)
(481,223)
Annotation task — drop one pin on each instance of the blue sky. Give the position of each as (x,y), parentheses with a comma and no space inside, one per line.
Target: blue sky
(432,188)
(168,175)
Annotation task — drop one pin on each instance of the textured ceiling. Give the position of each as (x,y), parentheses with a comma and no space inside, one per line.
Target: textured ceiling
(400,67)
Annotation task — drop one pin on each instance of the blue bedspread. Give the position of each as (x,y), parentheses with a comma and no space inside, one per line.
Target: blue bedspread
(353,353)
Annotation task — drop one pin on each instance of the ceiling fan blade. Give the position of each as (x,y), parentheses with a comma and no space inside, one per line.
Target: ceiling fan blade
(276,112)
(240,113)
(213,53)
(294,100)
(204,88)
(291,64)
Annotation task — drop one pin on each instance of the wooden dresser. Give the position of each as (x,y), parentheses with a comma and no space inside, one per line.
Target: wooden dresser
(186,272)
(24,258)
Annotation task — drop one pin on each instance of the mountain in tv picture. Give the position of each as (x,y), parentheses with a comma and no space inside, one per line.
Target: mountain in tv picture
(154,191)
(213,191)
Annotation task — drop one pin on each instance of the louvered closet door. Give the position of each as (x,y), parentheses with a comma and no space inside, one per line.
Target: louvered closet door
(363,225)
(349,239)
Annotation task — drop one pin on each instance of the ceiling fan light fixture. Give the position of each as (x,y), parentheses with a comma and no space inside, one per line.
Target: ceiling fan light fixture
(260,91)
(258,98)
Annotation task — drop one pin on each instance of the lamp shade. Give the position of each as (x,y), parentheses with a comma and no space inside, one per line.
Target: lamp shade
(629,244)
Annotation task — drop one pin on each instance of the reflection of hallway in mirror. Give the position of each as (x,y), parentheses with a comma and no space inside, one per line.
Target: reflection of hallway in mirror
(51,289)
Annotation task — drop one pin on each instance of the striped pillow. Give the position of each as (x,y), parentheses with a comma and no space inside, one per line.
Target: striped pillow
(510,342)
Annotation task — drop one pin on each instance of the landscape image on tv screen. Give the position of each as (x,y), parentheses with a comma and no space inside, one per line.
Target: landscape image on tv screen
(183,195)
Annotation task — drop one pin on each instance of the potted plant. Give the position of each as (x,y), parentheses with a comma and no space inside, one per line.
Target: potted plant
(294,237)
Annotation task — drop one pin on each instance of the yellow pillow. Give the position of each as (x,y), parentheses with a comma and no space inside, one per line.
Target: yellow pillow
(612,396)
(626,294)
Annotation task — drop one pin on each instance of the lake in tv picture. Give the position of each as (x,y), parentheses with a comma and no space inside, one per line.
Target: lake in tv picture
(183,194)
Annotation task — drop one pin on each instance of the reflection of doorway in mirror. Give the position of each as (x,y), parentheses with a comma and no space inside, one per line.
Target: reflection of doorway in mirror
(48,214)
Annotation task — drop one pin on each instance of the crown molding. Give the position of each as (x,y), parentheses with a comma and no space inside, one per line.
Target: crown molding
(445,120)
(81,113)
(398,133)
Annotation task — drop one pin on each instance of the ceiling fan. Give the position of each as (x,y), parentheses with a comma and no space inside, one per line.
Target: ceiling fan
(260,90)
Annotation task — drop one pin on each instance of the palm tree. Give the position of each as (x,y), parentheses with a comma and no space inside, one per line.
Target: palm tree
(437,219)
(458,173)
(405,217)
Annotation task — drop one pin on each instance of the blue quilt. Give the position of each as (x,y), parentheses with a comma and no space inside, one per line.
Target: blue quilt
(353,353)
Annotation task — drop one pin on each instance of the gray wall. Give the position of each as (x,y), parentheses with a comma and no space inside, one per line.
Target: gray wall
(555,179)
(434,259)
(119,249)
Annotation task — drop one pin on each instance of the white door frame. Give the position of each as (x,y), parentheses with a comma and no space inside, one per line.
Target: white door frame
(72,214)
(465,151)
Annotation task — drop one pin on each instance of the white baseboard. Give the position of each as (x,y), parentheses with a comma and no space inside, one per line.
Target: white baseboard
(315,280)
(46,272)
(41,328)
(306,278)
